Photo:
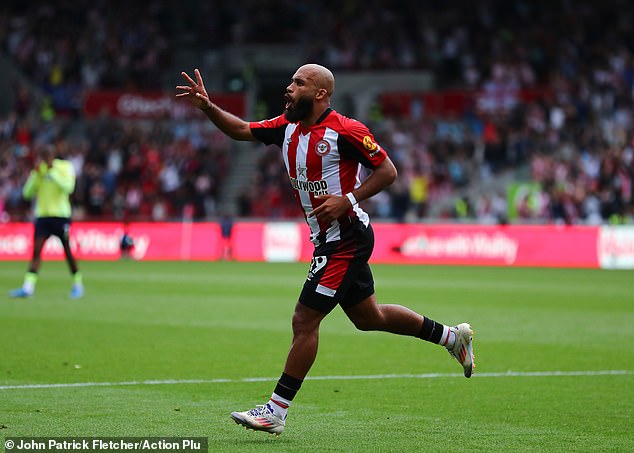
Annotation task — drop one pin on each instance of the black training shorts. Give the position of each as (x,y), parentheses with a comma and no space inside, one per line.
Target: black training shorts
(52,226)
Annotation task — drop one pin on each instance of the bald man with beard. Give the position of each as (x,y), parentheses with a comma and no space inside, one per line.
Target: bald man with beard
(323,152)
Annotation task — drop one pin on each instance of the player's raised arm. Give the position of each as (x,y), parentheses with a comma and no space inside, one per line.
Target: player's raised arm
(228,123)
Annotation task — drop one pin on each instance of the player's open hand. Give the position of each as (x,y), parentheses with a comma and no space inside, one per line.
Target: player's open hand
(195,91)
(332,208)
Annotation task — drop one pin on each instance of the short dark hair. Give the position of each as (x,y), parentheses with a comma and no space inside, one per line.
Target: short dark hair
(47,152)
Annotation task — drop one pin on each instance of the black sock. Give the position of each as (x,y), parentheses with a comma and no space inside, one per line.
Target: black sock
(288,386)
(431,331)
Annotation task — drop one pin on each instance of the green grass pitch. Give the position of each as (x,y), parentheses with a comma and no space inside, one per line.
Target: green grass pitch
(555,361)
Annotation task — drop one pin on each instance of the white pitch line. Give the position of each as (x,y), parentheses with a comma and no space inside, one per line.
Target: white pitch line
(322,378)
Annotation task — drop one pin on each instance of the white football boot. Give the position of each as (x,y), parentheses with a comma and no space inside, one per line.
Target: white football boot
(462,349)
(261,418)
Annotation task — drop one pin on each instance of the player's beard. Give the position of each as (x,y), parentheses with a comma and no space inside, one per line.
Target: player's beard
(300,110)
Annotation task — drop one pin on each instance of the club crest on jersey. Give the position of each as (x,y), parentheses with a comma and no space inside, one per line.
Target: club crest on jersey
(322,147)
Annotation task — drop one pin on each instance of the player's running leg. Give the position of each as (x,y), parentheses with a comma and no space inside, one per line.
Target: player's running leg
(30,278)
(369,315)
(77,290)
(271,417)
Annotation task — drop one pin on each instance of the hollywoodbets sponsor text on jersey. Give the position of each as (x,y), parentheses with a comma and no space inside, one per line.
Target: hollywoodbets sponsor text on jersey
(315,187)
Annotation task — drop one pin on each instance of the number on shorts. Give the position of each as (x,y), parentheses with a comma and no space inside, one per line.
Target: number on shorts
(316,264)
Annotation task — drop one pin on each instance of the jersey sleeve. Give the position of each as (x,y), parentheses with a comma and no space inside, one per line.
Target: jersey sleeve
(32,184)
(360,145)
(269,132)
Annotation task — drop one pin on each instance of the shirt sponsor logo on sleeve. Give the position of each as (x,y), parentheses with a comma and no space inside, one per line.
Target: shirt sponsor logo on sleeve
(369,144)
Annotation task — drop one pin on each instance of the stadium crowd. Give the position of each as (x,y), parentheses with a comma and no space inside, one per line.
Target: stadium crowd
(126,170)
(576,139)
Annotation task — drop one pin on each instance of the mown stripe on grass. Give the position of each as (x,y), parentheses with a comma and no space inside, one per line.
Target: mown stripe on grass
(320,378)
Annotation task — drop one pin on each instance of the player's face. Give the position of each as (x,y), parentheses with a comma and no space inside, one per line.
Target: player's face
(300,98)
(300,109)
(46,156)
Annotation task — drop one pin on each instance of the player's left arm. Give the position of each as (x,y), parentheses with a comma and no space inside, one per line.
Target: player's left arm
(335,206)
(381,177)
(31,185)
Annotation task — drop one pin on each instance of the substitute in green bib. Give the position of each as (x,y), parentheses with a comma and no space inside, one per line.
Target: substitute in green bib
(50,184)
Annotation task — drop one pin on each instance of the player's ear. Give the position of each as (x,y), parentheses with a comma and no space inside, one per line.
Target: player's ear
(321,93)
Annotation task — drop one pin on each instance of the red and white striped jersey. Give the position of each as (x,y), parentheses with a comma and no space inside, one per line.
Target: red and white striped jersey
(325,158)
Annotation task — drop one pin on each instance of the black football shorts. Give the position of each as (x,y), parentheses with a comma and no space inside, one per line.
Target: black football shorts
(339,272)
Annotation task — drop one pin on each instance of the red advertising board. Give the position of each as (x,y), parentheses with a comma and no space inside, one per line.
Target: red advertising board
(152,105)
(176,241)
(88,241)
(457,102)
(551,246)
(273,241)
(544,246)
(100,241)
